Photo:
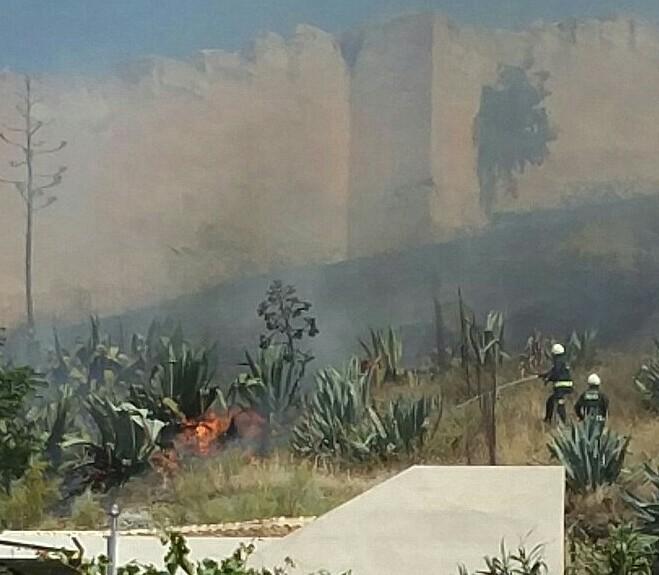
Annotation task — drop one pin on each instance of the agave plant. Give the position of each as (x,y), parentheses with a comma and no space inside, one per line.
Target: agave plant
(182,387)
(647,379)
(487,342)
(125,440)
(95,366)
(592,457)
(340,420)
(55,417)
(334,422)
(647,510)
(581,349)
(163,343)
(404,424)
(385,351)
(271,385)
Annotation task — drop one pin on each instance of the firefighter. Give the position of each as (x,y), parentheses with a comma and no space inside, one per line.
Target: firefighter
(562,385)
(593,402)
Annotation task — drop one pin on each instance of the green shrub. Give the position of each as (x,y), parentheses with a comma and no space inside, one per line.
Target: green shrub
(230,489)
(31,497)
(626,551)
(20,439)
(87,512)
(522,562)
(177,560)
(591,457)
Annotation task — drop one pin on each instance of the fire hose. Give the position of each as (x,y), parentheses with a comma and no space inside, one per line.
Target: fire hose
(499,389)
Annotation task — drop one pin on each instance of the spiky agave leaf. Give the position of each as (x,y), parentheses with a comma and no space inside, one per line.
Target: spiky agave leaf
(182,386)
(647,509)
(340,420)
(582,348)
(55,418)
(271,385)
(125,440)
(405,423)
(334,423)
(647,380)
(386,351)
(591,457)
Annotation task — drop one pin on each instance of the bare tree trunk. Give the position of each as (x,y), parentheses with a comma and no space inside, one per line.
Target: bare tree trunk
(29,195)
(34,188)
(28,272)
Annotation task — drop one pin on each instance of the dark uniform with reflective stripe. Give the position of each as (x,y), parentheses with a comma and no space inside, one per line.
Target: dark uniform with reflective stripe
(592,403)
(561,379)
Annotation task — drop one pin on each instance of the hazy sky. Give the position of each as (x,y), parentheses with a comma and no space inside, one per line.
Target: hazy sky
(94,35)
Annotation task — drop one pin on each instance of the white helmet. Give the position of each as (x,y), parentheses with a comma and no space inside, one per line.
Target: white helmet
(594,379)
(557,349)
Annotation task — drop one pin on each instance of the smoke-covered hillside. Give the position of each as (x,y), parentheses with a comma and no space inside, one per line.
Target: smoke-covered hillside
(557,271)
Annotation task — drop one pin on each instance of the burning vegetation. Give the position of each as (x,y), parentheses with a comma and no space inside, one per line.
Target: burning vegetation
(208,434)
(202,436)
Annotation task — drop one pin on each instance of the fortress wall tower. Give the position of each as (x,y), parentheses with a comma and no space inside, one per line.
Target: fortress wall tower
(391,124)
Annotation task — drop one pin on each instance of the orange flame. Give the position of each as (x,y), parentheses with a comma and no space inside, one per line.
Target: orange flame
(201,435)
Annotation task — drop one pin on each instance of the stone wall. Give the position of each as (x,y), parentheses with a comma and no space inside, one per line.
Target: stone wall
(183,174)
(602,76)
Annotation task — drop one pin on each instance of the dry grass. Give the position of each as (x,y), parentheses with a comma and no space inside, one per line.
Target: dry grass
(230,488)
(594,512)
(31,497)
(521,434)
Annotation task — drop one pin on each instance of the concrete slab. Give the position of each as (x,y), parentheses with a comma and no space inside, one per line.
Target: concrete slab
(429,520)
(145,549)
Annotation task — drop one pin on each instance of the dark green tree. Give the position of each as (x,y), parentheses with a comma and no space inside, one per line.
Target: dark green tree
(19,437)
(511,131)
